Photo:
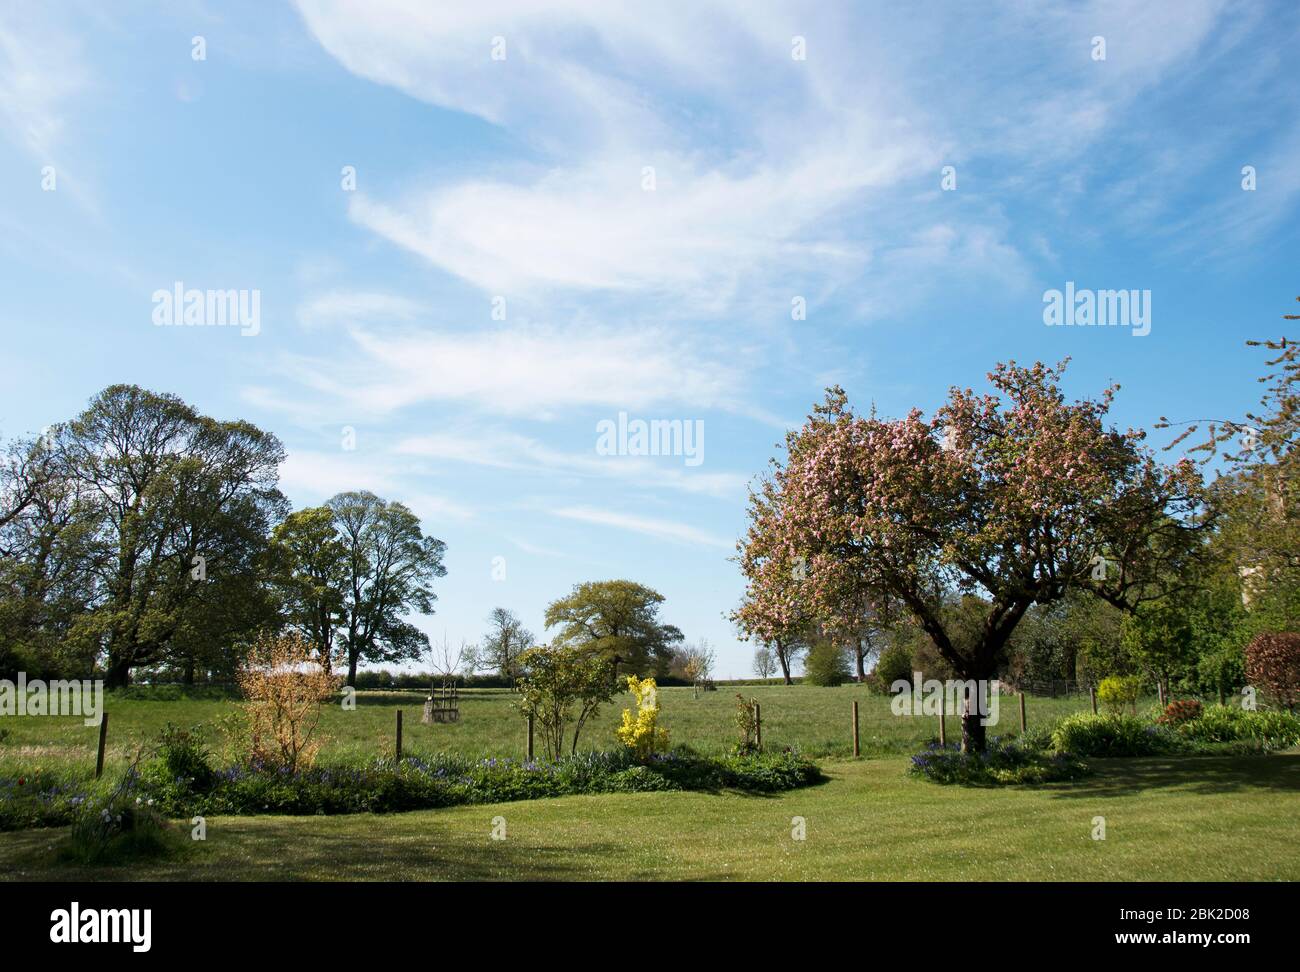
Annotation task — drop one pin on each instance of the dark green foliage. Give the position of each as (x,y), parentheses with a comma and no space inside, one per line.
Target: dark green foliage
(1267,730)
(414,784)
(1002,763)
(827,664)
(1114,734)
(895,663)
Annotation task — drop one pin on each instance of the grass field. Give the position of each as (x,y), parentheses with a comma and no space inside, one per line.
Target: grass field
(1191,819)
(816,720)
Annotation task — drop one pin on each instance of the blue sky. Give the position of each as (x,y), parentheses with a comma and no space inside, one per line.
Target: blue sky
(524,177)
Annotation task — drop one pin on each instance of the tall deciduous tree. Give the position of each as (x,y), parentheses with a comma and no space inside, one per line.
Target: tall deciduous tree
(1016,497)
(173,508)
(616,619)
(308,563)
(506,640)
(389,565)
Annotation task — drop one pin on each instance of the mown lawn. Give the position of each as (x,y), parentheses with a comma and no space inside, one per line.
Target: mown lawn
(815,720)
(1188,819)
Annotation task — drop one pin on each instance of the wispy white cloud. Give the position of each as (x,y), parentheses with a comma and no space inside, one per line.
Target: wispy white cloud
(308,477)
(42,68)
(649,526)
(343,307)
(512,451)
(518,370)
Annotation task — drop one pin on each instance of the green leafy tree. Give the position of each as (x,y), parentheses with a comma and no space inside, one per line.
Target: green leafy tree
(1158,637)
(308,563)
(172,509)
(616,619)
(389,565)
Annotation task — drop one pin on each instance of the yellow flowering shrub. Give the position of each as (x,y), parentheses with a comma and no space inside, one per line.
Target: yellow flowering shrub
(642,732)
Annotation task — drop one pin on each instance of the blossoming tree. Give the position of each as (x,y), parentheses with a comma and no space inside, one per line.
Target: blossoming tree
(1017,496)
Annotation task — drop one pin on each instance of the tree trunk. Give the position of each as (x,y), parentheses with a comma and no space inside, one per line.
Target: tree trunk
(784,659)
(188,678)
(119,673)
(972,730)
(860,654)
(352,668)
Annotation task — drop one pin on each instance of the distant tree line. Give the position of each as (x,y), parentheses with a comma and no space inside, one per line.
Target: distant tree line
(144,538)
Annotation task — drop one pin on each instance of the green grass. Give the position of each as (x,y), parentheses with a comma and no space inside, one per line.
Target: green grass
(1187,819)
(815,720)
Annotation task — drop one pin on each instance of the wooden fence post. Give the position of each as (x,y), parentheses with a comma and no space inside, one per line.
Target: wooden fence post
(1022,713)
(943,730)
(103,741)
(1092,694)
(399,735)
(856,750)
(530,737)
(758,727)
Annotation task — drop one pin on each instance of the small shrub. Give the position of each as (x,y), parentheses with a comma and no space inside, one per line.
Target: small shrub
(1002,763)
(641,733)
(285,686)
(1180,711)
(827,664)
(1038,738)
(1267,730)
(895,664)
(1113,734)
(185,757)
(746,724)
(1117,691)
(563,685)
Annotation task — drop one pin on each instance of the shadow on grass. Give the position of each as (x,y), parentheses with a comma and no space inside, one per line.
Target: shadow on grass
(291,850)
(1193,774)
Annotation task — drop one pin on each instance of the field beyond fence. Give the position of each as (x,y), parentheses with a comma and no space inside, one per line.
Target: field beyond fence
(816,721)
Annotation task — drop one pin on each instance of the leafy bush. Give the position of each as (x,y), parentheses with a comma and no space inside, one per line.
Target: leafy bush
(563,685)
(1113,734)
(1117,691)
(1229,723)
(642,733)
(746,724)
(185,757)
(1002,763)
(1180,711)
(1273,664)
(895,664)
(1037,738)
(445,780)
(285,686)
(827,664)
